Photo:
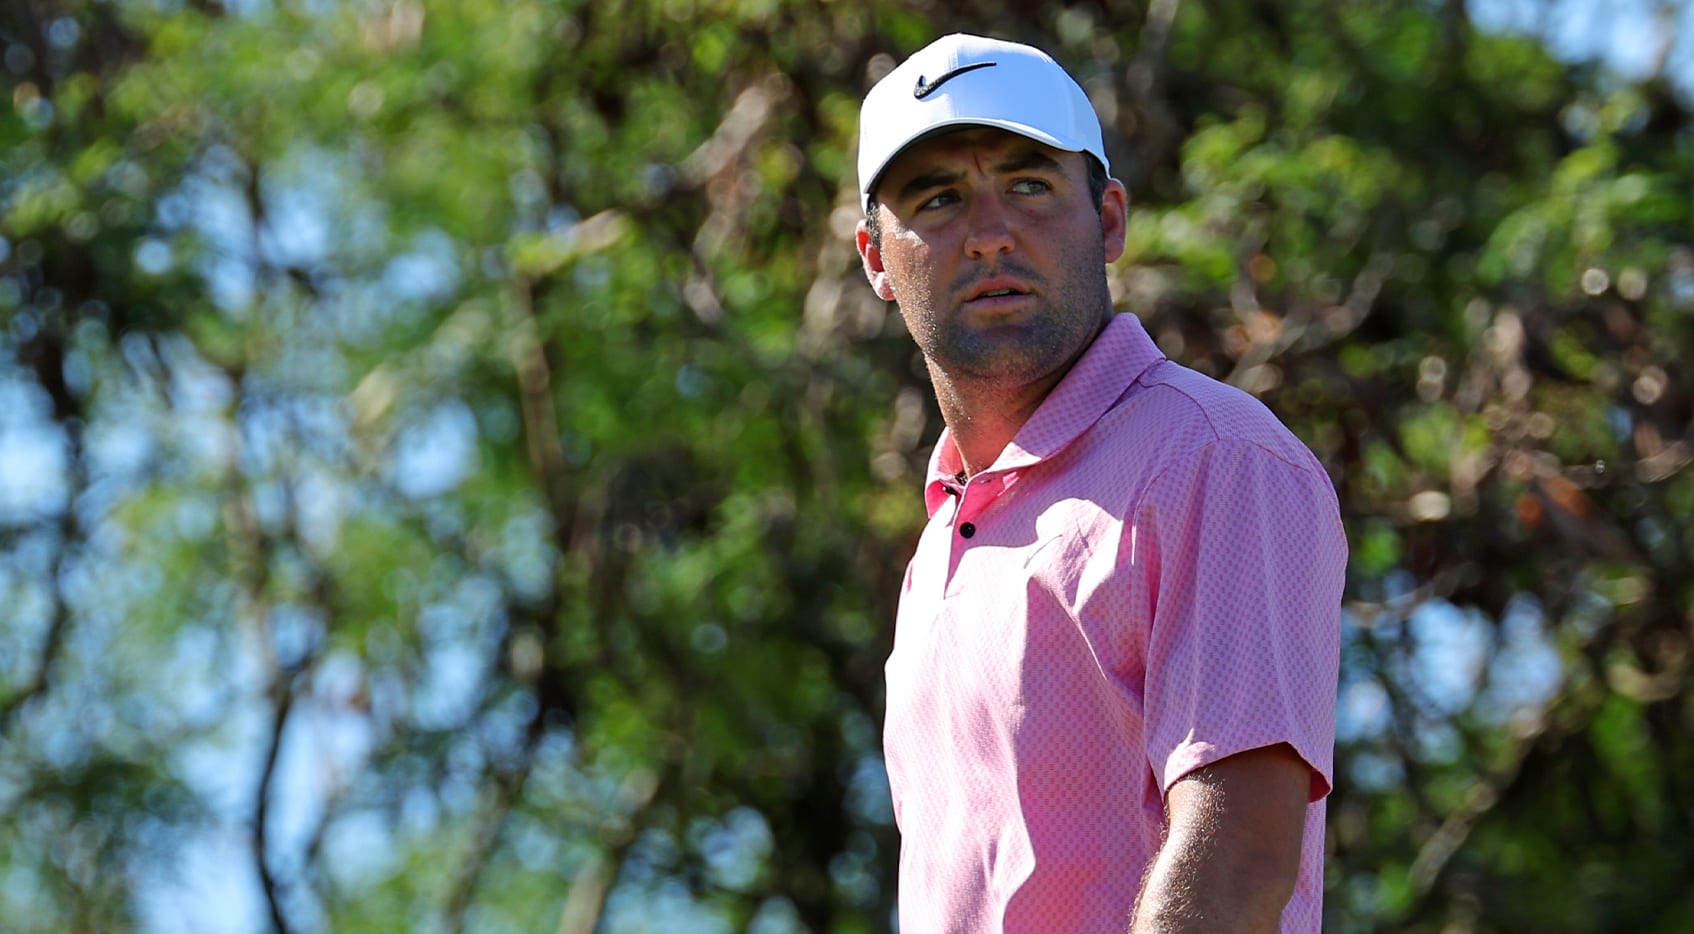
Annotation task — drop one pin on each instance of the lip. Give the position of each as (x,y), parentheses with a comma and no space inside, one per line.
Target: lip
(978,294)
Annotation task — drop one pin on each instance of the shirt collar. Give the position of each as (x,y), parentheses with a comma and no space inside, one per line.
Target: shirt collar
(1117,358)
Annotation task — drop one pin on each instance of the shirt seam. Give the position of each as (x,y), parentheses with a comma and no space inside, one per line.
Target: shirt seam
(1217,441)
(1218,437)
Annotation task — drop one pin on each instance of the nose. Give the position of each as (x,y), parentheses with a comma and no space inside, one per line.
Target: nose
(990,230)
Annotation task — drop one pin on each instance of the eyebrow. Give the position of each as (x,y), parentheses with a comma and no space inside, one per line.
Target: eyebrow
(917,185)
(1021,160)
(1024,160)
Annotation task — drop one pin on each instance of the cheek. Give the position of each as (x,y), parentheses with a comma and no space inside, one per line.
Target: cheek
(909,271)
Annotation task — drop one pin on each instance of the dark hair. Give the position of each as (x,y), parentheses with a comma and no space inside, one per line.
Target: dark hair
(1096,190)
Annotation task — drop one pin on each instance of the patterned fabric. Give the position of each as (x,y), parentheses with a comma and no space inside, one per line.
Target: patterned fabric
(1148,580)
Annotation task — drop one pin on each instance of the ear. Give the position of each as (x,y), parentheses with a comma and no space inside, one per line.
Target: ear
(1114,218)
(871,256)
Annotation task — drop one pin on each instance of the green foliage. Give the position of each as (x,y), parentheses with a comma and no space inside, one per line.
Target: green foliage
(449,450)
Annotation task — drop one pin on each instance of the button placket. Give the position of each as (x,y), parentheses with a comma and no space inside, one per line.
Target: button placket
(979,493)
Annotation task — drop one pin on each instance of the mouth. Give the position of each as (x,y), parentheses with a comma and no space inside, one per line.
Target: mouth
(993,291)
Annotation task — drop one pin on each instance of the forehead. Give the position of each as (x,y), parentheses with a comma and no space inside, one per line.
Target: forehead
(955,147)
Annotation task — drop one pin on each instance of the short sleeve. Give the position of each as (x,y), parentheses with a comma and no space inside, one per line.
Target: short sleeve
(1244,645)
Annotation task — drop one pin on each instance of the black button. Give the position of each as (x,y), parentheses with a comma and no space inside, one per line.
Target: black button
(967,530)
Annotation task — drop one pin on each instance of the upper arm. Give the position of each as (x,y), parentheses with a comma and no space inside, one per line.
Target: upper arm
(1256,800)
(1232,846)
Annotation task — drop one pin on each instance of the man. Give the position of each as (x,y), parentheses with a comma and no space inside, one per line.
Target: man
(1112,690)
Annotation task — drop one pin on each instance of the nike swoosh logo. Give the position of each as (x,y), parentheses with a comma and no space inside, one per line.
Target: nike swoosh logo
(924,89)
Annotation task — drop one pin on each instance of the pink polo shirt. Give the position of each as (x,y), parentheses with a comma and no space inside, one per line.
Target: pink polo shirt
(1146,581)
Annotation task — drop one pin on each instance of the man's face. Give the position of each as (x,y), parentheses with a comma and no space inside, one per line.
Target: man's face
(994,249)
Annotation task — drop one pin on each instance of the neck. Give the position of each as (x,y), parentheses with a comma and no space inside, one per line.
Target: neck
(984,413)
(985,418)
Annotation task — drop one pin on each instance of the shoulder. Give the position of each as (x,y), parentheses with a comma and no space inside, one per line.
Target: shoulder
(1185,413)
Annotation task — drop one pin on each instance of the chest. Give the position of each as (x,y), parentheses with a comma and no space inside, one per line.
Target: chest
(1044,600)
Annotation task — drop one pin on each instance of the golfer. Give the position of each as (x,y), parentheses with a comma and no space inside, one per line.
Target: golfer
(1111,696)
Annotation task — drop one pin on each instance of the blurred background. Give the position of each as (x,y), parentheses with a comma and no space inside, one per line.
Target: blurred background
(454,476)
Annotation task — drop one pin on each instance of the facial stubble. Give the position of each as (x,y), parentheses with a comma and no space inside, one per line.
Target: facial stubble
(1020,352)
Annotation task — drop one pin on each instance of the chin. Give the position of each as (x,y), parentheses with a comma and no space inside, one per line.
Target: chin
(1013,365)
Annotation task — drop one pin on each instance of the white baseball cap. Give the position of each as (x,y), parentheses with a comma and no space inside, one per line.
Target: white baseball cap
(963,80)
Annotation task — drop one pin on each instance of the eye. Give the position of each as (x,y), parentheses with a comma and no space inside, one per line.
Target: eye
(1030,186)
(939,201)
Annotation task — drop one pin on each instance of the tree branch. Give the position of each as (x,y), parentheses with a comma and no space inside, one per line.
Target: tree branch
(53,645)
(261,822)
(45,355)
(495,813)
(1566,715)
(586,900)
